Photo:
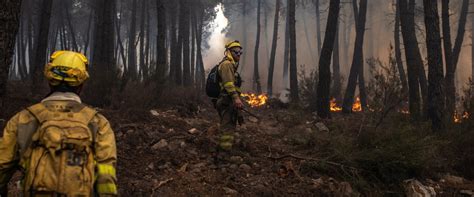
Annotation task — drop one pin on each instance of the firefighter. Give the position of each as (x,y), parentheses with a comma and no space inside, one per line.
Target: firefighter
(61,146)
(229,102)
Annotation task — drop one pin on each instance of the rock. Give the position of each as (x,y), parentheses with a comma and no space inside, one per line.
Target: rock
(130,131)
(309,130)
(253,119)
(119,134)
(321,127)
(193,131)
(453,180)
(229,191)
(161,144)
(245,167)
(413,188)
(233,166)
(199,165)
(154,113)
(236,159)
(151,166)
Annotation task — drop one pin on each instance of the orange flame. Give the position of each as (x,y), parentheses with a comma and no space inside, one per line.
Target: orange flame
(255,100)
(458,118)
(334,106)
(357,106)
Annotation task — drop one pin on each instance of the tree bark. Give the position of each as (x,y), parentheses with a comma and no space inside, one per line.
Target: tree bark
(286,56)
(336,91)
(357,60)
(452,54)
(293,69)
(132,55)
(66,5)
(9,15)
(40,48)
(436,97)
(271,66)
(143,40)
(413,57)
(161,54)
(398,53)
(256,75)
(324,83)
(184,34)
(103,72)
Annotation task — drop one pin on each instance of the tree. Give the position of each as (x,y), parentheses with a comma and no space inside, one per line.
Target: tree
(318,24)
(398,52)
(256,75)
(324,83)
(336,91)
(436,94)
(161,54)
(293,69)
(413,57)
(103,71)
(357,60)
(40,48)
(9,15)
(271,66)
(452,54)
(184,36)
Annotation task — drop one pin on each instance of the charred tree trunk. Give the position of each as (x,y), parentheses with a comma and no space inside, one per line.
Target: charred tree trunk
(294,93)
(66,5)
(173,38)
(324,83)
(336,92)
(184,34)
(271,66)
(40,48)
(357,61)
(103,72)
(200,63)
(9,15)
(193,48)
(161,54)
(143,40)
(179,47)
(132,54)
(398,53)
(256,75)
(413,57)
(452,54)
(436,97)
(287,53)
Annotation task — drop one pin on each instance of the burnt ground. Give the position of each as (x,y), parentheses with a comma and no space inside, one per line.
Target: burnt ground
(169,151)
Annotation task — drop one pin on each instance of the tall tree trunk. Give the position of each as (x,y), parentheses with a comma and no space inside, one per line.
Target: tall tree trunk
(147,67)
(179,47)
(161,54)
(184,33)
(103,72)
(174,52)
(66,5)
(9,15)
(88,33)
(318,25)
(132,55)
(472,54)
(286,56)
(243,60)
(413,57)
(357,60)
(436,97)
(294,94)
(398,53)
(256,75)
(40,48)
(336,92)
(324,83)
(271,66)
(193,48)
(142,39)
(452,54)
(200,67)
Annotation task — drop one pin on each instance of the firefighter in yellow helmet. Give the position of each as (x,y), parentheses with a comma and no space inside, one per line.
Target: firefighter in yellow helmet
(229,103)
(62,147)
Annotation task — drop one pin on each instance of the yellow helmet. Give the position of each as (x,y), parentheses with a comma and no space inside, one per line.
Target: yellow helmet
(67,66)
(233,44)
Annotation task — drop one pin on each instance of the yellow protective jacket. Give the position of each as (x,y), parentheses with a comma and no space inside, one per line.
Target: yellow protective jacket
(17,139)
(229,77)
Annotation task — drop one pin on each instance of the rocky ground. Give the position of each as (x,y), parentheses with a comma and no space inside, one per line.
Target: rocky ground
(169,151)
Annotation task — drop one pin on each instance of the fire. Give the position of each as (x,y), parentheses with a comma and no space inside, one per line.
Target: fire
(356,107)
(255,100)
(334,106)
(458,118)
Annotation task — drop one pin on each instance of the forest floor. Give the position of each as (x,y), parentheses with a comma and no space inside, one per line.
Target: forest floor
(169,151)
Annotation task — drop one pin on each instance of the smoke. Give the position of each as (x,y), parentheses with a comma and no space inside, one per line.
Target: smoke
(217,39)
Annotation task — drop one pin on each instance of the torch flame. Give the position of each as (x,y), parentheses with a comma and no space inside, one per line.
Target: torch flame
(255,100)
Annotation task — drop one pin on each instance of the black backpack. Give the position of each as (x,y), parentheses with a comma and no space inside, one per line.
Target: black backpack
(213,88)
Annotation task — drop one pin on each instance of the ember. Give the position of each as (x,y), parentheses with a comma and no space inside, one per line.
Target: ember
(356,107)
(255,100)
